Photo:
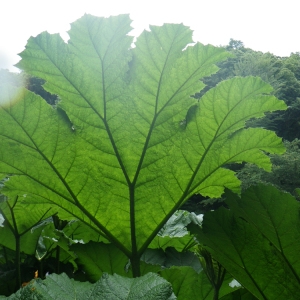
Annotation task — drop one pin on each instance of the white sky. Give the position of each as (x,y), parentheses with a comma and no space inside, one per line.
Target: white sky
(263,25)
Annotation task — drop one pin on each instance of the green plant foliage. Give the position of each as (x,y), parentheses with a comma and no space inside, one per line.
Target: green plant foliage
(67,234)
(264,65)
(285,173)
(99,258)
(29,233)
(281,72)
(241,294)
(148,287)
(174,233)
(170,257)
(20,219)
(188,284)
(257,241)
(121,153)
(17,234)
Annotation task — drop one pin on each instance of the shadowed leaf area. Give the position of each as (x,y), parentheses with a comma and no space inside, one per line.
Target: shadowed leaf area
(257,241)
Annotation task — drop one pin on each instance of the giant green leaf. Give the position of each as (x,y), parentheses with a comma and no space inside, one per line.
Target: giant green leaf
(128,144)
(258,241)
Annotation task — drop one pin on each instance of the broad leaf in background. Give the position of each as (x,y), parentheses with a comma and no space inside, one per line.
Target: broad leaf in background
(241,294)
(174,232)
(148,287)
(20,219)
(128,144)
(170,257)
(17,231)
(188,284)
(257,241)
(71,233)
(80,232)
(98,258)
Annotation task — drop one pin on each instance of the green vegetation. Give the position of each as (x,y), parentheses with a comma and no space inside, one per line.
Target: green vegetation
(285,173)
(256,241)
(94,179)
(283,73)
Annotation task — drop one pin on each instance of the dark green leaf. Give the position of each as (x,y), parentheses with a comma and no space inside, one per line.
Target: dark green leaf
(188,284)
(171,257)
(257,241)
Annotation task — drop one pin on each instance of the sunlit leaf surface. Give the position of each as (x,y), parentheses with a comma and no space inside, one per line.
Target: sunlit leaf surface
(128,144)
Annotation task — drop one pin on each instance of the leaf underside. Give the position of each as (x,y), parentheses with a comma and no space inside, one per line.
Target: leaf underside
(120,152)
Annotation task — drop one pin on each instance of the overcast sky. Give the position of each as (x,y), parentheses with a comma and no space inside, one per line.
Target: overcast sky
(263,25)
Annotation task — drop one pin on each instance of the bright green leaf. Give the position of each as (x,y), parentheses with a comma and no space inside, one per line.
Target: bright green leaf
(115,154)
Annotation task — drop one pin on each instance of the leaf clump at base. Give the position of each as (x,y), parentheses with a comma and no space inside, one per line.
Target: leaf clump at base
(148,287)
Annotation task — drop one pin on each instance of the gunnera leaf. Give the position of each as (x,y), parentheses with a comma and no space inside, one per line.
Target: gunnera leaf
(257,240)
(121,153)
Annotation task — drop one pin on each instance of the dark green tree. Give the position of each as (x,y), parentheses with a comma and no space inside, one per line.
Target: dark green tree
(235,45)
(285,173)
(282,73)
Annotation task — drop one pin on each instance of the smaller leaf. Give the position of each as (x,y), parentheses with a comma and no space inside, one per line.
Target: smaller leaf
(148,287)
(176,225)
(187,284)
(41,250)
(171,257)
(174,233)
(79,231)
